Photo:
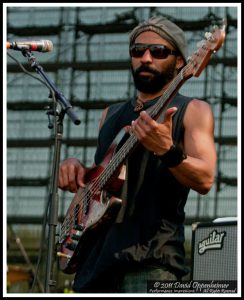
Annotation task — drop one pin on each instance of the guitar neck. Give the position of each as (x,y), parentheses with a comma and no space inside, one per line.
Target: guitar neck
(170,92)
(117,160)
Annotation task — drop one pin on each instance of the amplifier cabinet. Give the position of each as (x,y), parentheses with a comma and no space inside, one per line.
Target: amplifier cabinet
(214,251)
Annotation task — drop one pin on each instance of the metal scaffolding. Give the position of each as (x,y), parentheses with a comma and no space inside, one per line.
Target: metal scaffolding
(90,63)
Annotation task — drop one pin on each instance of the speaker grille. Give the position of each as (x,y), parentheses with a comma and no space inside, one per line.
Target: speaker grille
(214,252)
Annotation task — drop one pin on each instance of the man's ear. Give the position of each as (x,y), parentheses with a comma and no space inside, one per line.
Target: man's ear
(179,62)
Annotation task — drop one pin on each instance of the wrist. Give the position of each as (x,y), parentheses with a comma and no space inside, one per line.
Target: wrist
(173,157)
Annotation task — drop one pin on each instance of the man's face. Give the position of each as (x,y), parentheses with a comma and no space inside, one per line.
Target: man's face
(152,74)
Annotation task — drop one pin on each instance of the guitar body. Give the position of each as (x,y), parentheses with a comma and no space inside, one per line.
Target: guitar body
(90,212)
(81,236)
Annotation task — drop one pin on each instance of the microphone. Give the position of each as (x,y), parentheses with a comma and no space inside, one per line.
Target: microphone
(40,46)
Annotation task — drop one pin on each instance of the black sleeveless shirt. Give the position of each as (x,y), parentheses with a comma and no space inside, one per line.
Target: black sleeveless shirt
(149,227)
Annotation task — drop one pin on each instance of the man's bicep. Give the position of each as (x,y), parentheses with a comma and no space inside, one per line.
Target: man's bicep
(199,132)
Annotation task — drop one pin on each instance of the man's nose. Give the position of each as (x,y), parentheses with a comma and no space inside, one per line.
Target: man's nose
(146,57)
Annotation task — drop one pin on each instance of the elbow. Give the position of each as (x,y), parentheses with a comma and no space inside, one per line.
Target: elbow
(203,190)
(205,187)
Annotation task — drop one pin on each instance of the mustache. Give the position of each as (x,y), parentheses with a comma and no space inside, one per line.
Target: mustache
(145,68)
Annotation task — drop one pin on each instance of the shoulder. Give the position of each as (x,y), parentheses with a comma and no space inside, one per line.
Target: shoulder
(198,106)
(199,112)
(197,103)
(103,117)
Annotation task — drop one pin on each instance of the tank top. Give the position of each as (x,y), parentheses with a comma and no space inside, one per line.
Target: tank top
(149,227)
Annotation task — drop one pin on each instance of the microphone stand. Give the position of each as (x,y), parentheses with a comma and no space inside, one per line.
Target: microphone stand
(53,193)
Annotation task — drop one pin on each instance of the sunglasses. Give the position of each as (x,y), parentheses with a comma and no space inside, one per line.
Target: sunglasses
(156,50)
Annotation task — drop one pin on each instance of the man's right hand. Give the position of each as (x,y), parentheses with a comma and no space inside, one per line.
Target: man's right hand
(71,175)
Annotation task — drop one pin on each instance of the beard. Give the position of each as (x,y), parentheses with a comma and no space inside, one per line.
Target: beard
(155,82)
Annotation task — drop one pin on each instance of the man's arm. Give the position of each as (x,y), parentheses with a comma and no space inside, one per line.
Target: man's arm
(198,170)
(72,171)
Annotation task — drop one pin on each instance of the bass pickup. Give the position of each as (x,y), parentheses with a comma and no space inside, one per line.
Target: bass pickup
(79,227)
(75,237)
(71,246)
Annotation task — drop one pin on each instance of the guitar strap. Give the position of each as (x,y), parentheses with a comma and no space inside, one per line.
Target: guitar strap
(124,193)
(141,174)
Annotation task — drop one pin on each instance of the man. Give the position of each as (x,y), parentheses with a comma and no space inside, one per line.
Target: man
(176,153)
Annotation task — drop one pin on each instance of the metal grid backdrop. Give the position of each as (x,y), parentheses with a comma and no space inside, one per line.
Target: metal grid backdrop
(90,65)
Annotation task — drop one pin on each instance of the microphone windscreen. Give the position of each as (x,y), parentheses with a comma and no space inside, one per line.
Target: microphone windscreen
(48,46)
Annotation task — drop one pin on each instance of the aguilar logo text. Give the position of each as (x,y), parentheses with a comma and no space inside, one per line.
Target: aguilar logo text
(215,240)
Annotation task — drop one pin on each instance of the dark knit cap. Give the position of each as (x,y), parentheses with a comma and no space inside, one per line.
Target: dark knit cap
(166,29)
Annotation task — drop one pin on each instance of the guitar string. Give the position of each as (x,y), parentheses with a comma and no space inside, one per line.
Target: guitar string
(98,183)
(120,155)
